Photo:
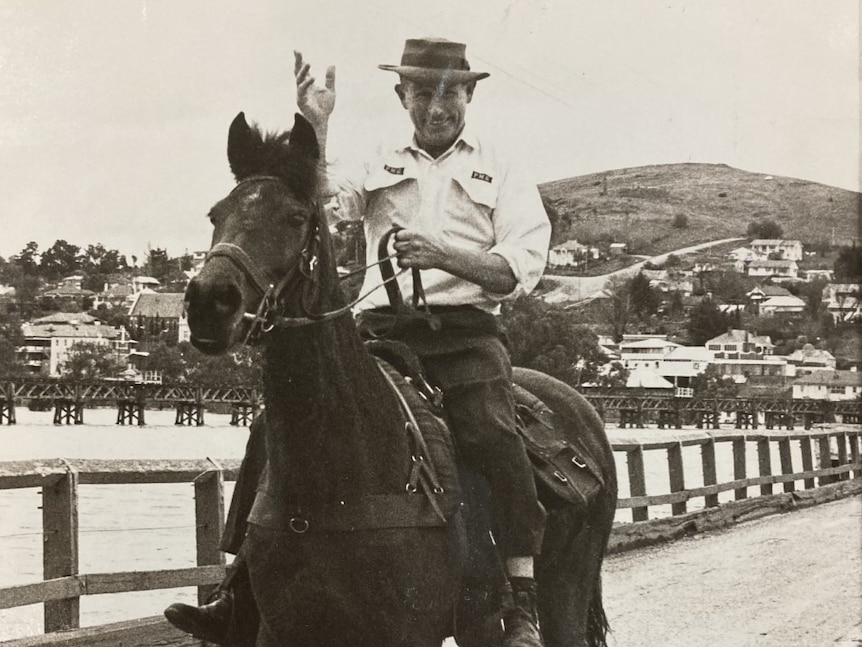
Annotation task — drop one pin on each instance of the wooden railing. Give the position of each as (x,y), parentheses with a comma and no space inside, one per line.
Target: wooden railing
(839,469)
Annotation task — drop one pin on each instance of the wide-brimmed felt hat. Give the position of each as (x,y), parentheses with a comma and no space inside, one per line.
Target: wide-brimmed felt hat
(435,59)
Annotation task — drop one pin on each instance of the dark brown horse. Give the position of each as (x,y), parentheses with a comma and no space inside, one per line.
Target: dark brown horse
(341,553)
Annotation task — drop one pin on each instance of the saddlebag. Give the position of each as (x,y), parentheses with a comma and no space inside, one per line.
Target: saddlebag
(565,473)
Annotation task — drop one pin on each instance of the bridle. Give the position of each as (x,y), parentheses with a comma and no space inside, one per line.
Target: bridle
(268,315)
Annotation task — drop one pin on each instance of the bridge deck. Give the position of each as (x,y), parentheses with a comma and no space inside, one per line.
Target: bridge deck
(792,579)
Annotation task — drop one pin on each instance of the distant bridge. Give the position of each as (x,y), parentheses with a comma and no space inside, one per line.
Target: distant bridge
(635,409)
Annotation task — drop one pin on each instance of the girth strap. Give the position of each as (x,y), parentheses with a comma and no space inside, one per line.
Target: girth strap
(371,512)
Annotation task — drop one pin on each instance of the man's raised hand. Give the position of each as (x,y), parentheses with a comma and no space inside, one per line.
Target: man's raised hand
(315,103)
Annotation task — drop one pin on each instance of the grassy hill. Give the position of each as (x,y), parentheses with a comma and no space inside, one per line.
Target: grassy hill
(638,206)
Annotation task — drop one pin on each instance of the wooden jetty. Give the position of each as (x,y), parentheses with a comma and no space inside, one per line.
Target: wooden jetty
(69,399)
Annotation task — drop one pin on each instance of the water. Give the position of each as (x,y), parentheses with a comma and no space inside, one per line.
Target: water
(149,527)
(122,527)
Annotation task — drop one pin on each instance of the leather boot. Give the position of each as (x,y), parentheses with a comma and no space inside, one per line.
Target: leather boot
(208,622)
(522,620)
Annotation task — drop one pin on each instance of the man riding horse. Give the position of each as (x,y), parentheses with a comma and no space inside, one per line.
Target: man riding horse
(474,225)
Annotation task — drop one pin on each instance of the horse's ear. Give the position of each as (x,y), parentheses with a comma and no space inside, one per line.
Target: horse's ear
(303,154)
(242,144)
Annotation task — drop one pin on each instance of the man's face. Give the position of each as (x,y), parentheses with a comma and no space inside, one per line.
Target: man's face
(436,110)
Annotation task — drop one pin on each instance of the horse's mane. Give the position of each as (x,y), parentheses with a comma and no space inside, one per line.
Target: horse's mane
(269,153)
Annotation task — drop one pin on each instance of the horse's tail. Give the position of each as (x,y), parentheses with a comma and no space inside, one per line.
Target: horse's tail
(597,622)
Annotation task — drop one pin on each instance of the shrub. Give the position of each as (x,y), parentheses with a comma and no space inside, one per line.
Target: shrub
(680,221)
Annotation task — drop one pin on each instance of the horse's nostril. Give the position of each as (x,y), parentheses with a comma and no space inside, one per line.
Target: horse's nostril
(227,298)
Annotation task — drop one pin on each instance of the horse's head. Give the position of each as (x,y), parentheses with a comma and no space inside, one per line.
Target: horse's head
(263,234)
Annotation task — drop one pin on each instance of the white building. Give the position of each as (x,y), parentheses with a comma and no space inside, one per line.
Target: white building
(49,340)
(571,254)
(740,341)
(788,250)
(808,359)
(844,301)
(776,270)
(828,385)
(639,351)
(781,306)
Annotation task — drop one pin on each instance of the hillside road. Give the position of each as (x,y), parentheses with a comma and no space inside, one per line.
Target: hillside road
(575,289)
(791,580)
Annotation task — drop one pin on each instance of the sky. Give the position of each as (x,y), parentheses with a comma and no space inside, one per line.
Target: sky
(114,113)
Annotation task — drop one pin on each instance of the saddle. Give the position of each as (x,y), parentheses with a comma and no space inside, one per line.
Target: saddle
(565,472)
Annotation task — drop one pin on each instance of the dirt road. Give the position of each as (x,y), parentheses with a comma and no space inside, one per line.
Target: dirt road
(574,289)
(791,580)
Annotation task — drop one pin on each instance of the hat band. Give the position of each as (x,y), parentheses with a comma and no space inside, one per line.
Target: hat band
(434,62)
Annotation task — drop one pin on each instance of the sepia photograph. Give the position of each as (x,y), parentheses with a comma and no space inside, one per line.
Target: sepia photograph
(509,323)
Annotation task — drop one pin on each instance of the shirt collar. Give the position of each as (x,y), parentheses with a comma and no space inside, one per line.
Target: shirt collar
(467,138)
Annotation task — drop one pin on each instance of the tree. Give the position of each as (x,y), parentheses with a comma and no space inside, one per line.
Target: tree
(711,384)
(10,340)
(848,264)
(547,338)
(764,229)
(28,259)
(90,361)
(705,322)
(168,360)
(96,259)
(59,260)
(619,294)
(644,299)
(243,366)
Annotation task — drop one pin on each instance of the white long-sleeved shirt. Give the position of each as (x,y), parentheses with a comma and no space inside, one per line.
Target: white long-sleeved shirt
(470,196)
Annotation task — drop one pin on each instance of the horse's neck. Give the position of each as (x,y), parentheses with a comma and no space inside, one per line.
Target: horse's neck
(335,426)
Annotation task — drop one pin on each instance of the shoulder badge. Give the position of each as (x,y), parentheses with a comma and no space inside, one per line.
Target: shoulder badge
(482,176)
(395,170)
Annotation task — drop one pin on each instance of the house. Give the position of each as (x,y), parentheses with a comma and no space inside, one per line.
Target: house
(141,283)
(49,340)
(159,316)
(808,359)
(681,364)
(116,296)
(816,274)
(644,351)
(739,342)
(785,305)
(775,270)
(571,254)
(618,249)
(843,301)
(743,367)
(828,385)
(68,297)
(741,257)
(644,378)
(788,250)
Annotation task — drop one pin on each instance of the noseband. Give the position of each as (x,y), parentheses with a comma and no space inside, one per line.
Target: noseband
(268,315)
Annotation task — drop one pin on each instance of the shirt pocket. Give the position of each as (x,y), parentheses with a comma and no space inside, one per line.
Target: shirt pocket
(479,191)
(392,197)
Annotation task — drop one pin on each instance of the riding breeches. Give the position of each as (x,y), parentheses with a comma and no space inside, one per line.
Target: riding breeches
(479,403)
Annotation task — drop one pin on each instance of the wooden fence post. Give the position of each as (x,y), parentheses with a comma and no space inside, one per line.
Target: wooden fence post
(710,477)
(825,449)
(853,439)
(637,480)
(764,461)
(786,462)
(677,476)
(841,440)
(209,522)
(807,460)
(739,470)
(60,545)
